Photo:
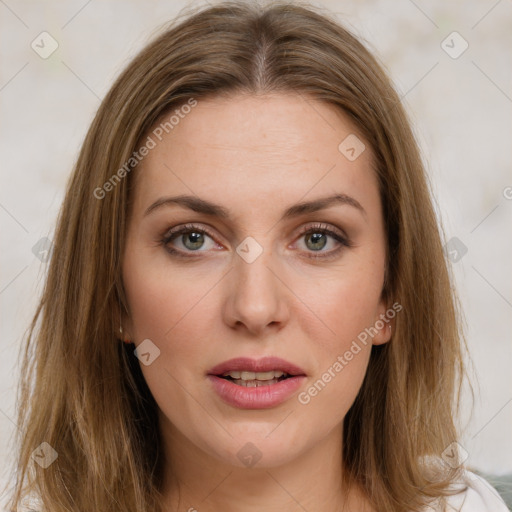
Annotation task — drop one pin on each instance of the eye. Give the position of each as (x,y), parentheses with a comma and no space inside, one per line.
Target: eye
(187,238)
(182,241)
(316,238)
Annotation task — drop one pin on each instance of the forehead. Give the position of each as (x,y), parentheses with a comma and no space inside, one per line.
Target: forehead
(280,144)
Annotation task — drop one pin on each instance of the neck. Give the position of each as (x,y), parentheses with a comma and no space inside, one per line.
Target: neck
(197,481)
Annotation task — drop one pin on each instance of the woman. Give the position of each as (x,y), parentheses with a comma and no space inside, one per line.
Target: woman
(247,307)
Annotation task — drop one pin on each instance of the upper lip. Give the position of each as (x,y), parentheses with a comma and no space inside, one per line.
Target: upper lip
(265,364)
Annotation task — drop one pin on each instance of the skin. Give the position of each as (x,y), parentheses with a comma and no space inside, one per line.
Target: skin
(256,156)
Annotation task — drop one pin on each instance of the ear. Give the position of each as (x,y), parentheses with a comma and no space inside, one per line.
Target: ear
(125,329)
(384,323)
(126,334)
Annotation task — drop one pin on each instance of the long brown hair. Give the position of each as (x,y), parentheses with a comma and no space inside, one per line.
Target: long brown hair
(82,391)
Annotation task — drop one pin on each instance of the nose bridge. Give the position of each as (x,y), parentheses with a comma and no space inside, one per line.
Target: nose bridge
(257,295)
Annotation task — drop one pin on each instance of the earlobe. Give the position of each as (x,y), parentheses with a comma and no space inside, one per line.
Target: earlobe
(384,335)
(384,324)
(125,328)
(123,336)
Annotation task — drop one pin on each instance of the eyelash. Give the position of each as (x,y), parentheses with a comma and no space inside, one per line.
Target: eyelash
(316,228)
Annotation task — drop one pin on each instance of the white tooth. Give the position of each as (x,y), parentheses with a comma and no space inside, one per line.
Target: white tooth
(246,375)
(265,375)
(255,383)
(258,376)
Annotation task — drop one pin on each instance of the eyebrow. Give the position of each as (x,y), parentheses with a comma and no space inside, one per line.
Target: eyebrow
(208,208)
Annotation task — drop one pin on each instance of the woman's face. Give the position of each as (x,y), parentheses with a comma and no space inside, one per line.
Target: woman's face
(263,281)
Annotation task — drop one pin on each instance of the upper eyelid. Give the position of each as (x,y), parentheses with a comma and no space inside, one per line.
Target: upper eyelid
(322,226)
(184,228)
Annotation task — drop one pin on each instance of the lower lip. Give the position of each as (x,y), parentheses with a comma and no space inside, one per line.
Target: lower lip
(262,397)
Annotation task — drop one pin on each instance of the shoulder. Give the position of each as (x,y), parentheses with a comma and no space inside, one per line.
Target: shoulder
(475,495)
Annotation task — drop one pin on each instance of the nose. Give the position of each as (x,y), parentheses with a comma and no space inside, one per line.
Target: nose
(257,299)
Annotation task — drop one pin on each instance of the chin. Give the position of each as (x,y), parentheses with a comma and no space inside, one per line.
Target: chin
(258,451)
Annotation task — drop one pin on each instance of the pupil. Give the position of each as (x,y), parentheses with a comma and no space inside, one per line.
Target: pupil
(315,237)
(196,238)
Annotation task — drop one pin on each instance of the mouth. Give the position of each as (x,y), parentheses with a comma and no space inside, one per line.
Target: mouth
(264,371)
(256,383)
(255,379)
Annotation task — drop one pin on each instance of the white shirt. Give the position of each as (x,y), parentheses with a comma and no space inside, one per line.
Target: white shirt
(479,496)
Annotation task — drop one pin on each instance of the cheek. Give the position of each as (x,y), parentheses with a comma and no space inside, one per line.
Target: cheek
(339,346)
(340,305)
(168,307)
(339,317)
(173,309)
(163,299)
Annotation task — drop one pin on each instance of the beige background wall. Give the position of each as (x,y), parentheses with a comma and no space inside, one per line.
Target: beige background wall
(461,106)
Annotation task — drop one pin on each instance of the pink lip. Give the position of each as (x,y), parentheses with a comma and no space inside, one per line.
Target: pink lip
(262,397)
(265,364)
